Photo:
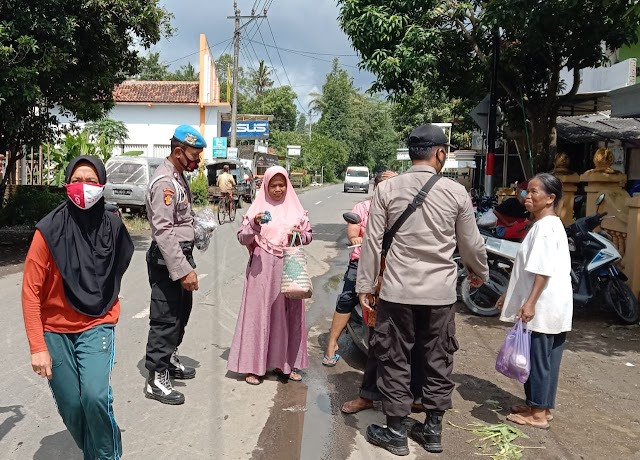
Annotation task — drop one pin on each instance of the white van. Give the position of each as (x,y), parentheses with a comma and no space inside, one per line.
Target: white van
(357,178)
(127,181)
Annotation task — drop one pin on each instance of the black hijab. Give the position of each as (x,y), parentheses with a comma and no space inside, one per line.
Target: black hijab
(91,248)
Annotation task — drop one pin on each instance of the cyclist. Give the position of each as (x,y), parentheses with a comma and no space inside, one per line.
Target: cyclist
(227,183)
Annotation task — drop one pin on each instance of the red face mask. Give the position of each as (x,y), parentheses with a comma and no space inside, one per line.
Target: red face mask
(83,194)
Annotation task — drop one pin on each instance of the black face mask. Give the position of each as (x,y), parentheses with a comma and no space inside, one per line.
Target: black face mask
(189,165)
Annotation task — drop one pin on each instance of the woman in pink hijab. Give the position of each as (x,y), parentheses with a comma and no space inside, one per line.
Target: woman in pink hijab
(271,331)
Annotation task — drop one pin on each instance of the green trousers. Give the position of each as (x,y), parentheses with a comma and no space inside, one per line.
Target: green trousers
(81,387)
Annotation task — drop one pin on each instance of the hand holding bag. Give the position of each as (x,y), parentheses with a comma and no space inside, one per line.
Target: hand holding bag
(514,358)
(296,282)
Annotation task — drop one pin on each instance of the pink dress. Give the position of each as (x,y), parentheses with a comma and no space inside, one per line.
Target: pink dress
(271,330)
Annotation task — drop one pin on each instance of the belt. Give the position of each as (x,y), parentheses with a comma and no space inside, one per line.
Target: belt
(155,255)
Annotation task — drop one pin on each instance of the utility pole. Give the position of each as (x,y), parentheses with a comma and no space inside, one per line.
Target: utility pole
(310,124)
(236,57)
(492,130)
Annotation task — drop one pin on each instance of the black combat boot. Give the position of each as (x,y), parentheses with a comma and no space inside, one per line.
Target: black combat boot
(159,388)
(177,370)
(429,434)
(392,437)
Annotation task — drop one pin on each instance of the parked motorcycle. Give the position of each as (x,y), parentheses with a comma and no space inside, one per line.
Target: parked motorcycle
(500,256)
(595,277)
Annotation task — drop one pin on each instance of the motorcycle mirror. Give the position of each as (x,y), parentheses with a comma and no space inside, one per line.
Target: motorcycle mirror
(351,217)
(599,201)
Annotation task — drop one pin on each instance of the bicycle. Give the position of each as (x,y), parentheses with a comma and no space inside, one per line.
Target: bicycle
(226,207)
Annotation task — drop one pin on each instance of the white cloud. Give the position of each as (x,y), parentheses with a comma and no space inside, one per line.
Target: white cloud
(305,25)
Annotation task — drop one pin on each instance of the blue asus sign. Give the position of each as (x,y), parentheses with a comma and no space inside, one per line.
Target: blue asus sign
(247,129)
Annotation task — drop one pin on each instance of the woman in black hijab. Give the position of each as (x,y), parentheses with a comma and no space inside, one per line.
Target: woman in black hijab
(70,289)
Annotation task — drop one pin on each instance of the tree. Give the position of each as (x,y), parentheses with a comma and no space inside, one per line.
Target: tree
(278,102)
(446,44)
(184,73)
(334,104)
(260,78)
(152,69)
(301,126)
(427,105)
(67,55)
(245,86)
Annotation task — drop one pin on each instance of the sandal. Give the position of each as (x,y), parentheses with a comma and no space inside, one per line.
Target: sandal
(253,379)
(520,420)
(294,376)
(330,361)
(524,409)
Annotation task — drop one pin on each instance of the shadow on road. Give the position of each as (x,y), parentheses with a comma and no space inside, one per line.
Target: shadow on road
(489,397)
(59,445)
(11,421)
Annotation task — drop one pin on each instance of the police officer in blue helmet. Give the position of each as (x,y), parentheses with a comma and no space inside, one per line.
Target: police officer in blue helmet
(170,264)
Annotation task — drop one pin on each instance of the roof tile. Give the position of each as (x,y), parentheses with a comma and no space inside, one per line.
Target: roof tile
(157,91)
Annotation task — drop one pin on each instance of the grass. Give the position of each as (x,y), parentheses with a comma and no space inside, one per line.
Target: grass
(496,441)
(135,224)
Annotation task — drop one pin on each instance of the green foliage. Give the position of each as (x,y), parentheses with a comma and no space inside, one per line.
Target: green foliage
(133,153)
(199,190)
(278,102)
(29,204)
(447,45)
(153,69)
(425,105)
(69,55)
(260,78)
(96,139)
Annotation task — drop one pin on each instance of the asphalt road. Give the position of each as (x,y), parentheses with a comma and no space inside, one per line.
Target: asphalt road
(224,418)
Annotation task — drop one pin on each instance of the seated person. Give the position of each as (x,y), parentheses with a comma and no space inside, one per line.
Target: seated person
(513,217)
(226,182)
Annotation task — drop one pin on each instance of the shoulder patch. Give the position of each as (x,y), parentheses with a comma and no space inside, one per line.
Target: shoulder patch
(168,196)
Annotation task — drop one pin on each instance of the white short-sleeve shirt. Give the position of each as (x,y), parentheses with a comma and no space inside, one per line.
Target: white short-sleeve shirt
(544,251)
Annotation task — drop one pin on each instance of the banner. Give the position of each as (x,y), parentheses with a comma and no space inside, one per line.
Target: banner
(250,129)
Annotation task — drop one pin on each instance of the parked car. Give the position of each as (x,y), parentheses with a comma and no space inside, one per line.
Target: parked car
(357,178)
(245,181)
(127,181)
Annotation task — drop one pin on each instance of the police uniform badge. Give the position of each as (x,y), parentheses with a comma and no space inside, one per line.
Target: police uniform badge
(168,196)
(190,139)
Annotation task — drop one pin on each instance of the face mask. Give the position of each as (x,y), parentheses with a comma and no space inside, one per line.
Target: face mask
(523,193)
(83,194)
(190,165)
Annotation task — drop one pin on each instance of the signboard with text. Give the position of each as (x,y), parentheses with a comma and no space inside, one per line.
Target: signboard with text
(219,147)
(232,153)
(248,129)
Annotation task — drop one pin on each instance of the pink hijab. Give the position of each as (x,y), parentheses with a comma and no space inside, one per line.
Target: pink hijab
(285,214)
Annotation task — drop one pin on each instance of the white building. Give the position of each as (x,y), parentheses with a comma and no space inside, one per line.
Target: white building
(152,109)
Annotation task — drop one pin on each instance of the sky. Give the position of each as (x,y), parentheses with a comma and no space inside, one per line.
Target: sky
(300,25)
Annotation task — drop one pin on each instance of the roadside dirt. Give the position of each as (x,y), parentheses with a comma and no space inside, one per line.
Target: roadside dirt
(597,415)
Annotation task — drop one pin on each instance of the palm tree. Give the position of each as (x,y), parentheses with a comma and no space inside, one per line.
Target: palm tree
(261,78)
(317,104)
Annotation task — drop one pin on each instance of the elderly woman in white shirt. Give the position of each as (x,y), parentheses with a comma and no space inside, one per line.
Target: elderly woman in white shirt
(540,294)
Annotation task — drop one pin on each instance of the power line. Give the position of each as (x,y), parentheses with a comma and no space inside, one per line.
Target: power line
(303,54)
(270,61)
(198,52)
(284,69)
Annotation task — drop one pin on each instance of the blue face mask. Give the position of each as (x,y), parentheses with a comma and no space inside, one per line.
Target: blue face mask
(523,193)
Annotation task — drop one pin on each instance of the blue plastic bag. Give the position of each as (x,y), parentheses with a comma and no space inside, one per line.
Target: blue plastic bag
(514,358)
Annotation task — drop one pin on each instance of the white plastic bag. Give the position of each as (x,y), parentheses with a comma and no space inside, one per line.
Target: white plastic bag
(488,219)
(204,223)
